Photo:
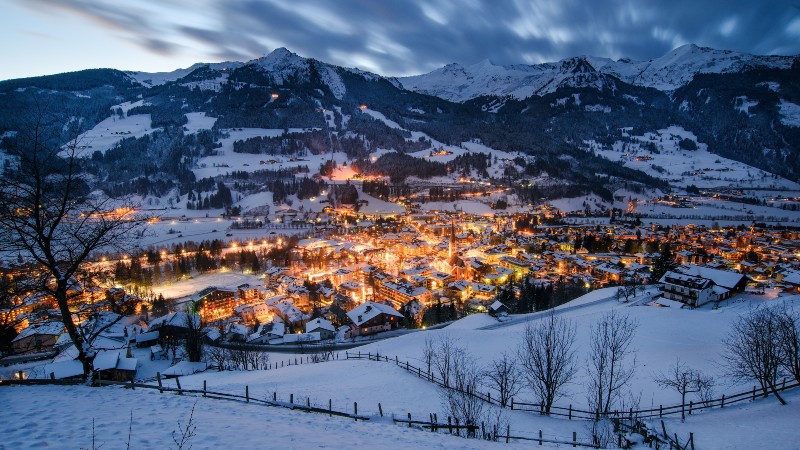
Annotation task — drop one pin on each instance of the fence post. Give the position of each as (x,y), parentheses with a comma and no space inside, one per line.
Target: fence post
(691,440)
(274,396)
(660,410)
(754,393)
(691,405)
(508,433)
(355,411)
(574,438)
(160,386)
(308,402)
(449,425)
(291,398)
(330,408)
(204,388)
(512,403)
(409,420)
(380,409)
(133,386)
(178,382)
(247,394)
(722,404)
(570,411)
(489,396)
(540,437)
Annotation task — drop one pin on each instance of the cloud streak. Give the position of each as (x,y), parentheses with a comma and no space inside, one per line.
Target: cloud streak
(415,36)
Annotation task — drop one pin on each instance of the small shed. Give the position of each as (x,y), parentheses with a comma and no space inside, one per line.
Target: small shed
(498,309)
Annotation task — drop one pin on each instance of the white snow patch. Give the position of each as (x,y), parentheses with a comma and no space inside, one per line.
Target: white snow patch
(790,113)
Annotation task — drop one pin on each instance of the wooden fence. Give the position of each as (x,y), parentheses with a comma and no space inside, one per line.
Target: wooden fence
(571,412)
(661,411)
(452,426)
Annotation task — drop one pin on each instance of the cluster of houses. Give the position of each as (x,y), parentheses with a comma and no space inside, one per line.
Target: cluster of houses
(370,277)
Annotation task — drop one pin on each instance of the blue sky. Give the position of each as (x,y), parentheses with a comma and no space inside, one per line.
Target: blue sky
(390,37)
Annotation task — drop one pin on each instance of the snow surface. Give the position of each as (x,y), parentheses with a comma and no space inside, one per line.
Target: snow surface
(790,113)
(158,78)
(110,131)
(686,167)
(198,121)
(459,83)
(185,288)
(69,413)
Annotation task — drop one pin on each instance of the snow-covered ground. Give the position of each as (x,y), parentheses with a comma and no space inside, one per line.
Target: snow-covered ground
(225,280)
(198,121)
(687,167)
(62,417)
(226,160)
(110,131)
(663,334)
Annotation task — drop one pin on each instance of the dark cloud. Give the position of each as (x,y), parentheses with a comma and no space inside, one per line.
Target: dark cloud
(403,37)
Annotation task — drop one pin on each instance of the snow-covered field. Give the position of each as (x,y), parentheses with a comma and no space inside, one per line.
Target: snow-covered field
(110,131)
(225,280)
(663,334)
(226,160)
(62,417)
(687,167)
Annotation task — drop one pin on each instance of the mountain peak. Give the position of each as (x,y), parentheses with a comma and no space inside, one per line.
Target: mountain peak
(279,59)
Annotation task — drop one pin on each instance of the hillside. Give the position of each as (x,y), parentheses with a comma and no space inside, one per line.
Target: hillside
(172,139)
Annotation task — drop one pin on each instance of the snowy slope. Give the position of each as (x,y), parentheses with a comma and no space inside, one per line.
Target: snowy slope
(459,83)
(70,411)
(283,65)
(150,79)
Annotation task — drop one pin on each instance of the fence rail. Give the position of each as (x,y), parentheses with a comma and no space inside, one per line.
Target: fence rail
(575,413)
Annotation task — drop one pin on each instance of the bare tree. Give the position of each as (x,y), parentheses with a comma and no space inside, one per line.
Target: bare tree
(193,341)
(753,350)
(428,352)
(547,358)
(443,362)
(49,215)
(684,380)
(458,397)
(503,374)
(608,364)
(788,320)
(218,357)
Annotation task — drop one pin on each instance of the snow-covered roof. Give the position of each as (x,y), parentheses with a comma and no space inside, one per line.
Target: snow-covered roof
(52,328)
(719,277)
(319,323)
(64,369)
(106,360)
(147,337)
(184,368)
(176,319)
(369,310)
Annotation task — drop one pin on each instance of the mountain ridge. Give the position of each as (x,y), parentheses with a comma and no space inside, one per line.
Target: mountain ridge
(458,83)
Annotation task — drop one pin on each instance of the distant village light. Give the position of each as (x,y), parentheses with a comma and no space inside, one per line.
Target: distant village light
(275,96)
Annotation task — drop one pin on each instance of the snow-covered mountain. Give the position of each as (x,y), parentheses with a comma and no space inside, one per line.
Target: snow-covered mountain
(149,79)
(459,83)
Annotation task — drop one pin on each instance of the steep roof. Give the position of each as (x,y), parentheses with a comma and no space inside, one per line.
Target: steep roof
(722,278)
(369,310)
